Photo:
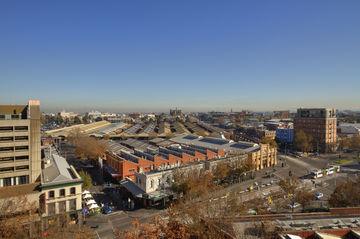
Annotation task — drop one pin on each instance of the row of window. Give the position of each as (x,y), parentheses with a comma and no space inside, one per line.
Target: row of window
(11,169)
(62,192)
(12,181)
(8,159)
(15,128)
(16,148)
(10,116)
(61,207)
(16,138)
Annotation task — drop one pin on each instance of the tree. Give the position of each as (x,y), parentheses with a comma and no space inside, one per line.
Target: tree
(77,120)
(289,185)
(171,229)
(59,120)
(346,194)
(87,147)
(270,141)
(304,197)
(221,171)
(355,143)
(87,181)
(86,119)
(14,214)
(303,141)
(20,218)
(192,184)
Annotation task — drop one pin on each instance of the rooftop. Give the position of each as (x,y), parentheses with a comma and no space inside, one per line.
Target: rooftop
(215,143)
(12,109)
(57,170)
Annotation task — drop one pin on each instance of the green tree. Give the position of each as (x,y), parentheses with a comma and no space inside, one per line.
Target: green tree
(87,181)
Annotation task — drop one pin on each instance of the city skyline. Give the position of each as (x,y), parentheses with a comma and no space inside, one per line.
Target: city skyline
(199,56)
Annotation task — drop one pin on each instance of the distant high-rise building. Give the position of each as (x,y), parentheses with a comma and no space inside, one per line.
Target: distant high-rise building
(20,153)
(176,112)
(320,124)
(282,114)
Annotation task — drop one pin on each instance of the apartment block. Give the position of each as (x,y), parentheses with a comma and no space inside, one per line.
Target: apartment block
(320,124)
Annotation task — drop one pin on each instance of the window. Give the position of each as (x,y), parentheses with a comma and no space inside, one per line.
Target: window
(6,182)
(62,206)
(5,159)
(24,179)
(6,139)
(23,157)
(21,138)
(5,149)
(21,128)
(72,204)
(51,194)
(51,208)
(21,148)
(73,191)
(10,128)
(23,167)
(7,169)
(62,193)
(151,183)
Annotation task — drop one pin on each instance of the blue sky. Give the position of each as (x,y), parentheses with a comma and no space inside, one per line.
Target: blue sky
(195,55)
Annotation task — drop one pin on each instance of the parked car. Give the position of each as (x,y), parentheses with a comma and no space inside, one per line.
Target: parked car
(252,212)
(108,185)
(107,209)
(294,205)
(319,195)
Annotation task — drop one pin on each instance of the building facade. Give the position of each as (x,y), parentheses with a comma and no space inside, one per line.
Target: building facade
(320,124)
(47,183)
(265,157)
(285,135)
(20,154)
(61,187)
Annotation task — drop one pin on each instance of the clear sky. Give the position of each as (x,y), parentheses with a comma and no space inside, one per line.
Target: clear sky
(196,55)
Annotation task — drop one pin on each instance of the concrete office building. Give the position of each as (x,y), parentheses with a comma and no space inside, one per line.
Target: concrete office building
(320,123)
(20,153)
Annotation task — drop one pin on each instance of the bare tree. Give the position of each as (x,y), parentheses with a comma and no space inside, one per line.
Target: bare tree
(346,194)
(87,147)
